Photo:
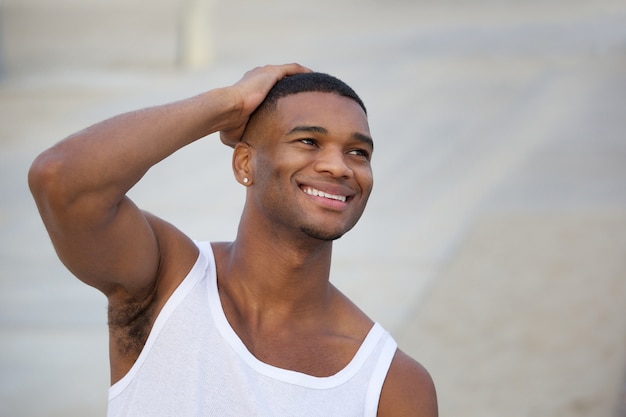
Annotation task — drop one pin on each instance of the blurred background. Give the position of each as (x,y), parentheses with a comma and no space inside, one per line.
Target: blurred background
(494,244)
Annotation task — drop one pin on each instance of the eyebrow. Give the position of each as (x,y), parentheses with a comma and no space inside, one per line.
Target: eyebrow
(364,138)
(318,129)
(308,129)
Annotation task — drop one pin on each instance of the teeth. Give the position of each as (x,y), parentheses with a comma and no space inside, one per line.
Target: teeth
(318,193)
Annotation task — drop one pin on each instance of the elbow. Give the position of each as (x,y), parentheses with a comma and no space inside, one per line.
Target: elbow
(46,180)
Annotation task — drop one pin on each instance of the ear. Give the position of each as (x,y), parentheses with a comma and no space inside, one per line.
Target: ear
(242,163)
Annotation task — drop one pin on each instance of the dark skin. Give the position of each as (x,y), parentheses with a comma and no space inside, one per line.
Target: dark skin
(274,278)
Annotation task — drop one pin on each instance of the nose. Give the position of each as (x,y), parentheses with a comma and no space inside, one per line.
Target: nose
(333,162)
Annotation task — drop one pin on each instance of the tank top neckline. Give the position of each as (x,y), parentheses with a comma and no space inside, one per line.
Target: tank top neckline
(368,345)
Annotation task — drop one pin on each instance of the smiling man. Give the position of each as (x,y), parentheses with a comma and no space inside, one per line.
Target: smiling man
(251,327)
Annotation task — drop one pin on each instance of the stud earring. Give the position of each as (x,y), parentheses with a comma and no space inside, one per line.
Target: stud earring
(245,180)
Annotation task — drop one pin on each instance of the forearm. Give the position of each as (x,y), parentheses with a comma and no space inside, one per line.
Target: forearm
(107,159)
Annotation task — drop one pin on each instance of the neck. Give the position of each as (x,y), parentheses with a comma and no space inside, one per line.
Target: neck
(282,276)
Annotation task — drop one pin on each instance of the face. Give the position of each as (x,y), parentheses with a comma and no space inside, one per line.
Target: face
(311,165)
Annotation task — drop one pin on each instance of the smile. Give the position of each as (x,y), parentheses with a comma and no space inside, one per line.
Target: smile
(318,193)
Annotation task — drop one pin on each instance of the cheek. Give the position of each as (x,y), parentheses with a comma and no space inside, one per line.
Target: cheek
(366,180)
(263,169)
(269,176)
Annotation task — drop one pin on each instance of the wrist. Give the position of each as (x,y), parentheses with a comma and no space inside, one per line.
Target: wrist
(221,108)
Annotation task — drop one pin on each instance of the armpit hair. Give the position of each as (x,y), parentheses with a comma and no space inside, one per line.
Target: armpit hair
(130,322)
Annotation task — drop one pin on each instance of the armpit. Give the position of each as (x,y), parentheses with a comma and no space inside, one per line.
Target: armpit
(130,322)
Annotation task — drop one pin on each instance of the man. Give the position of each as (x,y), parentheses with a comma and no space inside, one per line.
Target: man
(247,328)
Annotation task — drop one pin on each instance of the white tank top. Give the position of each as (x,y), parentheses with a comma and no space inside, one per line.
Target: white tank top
(194,364)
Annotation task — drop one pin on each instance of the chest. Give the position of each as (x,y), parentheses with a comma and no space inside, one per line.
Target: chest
(319,355)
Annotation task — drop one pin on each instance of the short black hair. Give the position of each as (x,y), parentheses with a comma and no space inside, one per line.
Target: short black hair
(305,83)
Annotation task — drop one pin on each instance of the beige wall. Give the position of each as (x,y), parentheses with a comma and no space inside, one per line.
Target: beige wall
(39,35)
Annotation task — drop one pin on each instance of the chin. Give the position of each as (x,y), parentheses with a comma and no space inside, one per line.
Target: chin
(325,235)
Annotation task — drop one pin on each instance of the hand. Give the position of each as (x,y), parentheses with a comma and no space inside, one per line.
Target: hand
(250,92)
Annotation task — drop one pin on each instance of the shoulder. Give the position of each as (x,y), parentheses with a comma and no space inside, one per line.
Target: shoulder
(408,390)
(132,310)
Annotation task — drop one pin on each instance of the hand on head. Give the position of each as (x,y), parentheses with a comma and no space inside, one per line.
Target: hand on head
(250,92)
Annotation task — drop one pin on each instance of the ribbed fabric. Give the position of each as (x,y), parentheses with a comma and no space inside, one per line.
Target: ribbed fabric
(194,364)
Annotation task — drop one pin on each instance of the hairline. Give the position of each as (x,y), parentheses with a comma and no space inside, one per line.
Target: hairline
(271,105)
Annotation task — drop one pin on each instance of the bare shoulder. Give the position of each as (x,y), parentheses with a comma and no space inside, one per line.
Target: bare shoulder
(408,390)
(353,321)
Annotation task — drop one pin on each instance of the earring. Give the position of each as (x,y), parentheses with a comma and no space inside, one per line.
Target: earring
(245,180)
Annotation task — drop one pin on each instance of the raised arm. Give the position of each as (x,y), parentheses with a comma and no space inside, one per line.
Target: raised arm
(80,184)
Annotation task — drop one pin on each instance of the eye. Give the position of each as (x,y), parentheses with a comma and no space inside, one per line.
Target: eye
(308,141)
(360,152)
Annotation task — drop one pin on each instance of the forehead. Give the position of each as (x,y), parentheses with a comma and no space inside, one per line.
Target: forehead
(328,110)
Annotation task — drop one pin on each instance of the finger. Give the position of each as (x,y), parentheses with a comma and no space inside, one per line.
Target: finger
(280,71)
(294,68)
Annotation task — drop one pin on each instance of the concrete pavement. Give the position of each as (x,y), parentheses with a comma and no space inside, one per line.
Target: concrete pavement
(494,246)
